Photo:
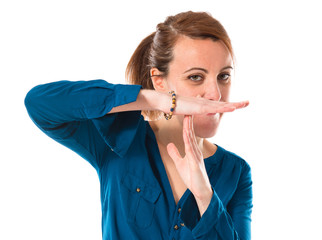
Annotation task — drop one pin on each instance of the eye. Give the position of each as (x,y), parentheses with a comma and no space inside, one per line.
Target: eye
(224,77)
(195,77)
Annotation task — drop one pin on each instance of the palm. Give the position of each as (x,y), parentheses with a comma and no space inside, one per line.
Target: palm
(198,105)
(191,167)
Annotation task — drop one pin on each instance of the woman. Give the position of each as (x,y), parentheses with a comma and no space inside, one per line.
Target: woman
(160,179)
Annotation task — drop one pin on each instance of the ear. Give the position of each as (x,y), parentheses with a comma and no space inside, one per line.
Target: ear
(159,82)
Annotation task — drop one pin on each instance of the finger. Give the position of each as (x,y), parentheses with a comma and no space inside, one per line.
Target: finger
(222,107)
(194,139)
(191,134)
(191,146)
(242,104)
(186,139)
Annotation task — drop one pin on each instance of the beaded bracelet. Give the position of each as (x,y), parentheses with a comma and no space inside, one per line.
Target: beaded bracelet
(168,116)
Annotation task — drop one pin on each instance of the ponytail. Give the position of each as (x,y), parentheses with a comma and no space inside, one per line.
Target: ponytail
(138,68)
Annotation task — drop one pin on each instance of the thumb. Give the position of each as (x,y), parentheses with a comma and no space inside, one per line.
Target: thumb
(174,153)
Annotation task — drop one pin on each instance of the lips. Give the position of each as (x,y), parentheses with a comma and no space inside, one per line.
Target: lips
(212,114)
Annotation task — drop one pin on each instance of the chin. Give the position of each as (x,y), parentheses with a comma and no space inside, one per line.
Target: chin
(206,126)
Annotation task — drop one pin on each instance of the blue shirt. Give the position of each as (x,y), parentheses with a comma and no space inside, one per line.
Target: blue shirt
(136,196)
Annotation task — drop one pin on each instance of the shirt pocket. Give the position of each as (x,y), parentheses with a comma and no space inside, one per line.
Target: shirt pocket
(141,200)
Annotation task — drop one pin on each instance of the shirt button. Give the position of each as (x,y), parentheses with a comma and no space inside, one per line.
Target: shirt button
(176,227)
(138,190)
(179,210)
(182,224)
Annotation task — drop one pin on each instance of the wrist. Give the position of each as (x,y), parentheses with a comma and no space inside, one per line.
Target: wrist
(151,98)
(160,101)
(204,201)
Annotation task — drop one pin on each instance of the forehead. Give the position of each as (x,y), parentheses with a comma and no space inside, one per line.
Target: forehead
(208,53)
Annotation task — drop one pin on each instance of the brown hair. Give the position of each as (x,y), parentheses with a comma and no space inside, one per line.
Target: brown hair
(156,50)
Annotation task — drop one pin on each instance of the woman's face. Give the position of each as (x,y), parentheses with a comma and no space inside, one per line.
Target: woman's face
(201,68)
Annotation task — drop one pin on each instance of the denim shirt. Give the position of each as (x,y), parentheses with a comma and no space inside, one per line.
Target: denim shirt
(136,197)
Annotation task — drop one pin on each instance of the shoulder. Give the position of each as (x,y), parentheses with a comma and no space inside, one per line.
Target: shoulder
(231,158)
(238,170)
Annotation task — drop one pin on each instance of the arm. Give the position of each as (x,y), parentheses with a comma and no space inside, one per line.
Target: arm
(217,222)
(153,100)
(65,101)
(73,113)
(77,113)
(203,212)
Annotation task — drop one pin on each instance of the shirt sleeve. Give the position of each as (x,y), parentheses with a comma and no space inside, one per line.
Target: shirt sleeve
(74,113)
(218,222)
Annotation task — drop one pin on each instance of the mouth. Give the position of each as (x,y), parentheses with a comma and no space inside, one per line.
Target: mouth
(212,114)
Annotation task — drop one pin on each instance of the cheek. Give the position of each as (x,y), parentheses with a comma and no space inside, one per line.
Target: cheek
(225,93)
(182,87)
(186,90)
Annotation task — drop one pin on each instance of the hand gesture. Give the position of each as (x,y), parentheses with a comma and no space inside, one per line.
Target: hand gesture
(198,105)
(191,167)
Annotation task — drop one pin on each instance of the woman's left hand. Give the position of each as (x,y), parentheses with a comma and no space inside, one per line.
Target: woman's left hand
(191,167)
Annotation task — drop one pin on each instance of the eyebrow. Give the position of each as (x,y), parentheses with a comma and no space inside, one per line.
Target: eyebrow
(227,68)
(205,70)
(196,68)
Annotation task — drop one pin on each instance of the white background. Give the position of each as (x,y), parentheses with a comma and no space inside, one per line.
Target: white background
(48,192)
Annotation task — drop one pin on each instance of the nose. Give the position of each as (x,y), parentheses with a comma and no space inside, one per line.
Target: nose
(212,91)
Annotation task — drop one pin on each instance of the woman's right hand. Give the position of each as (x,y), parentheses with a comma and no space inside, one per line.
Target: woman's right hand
(152,100)
(198,105)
